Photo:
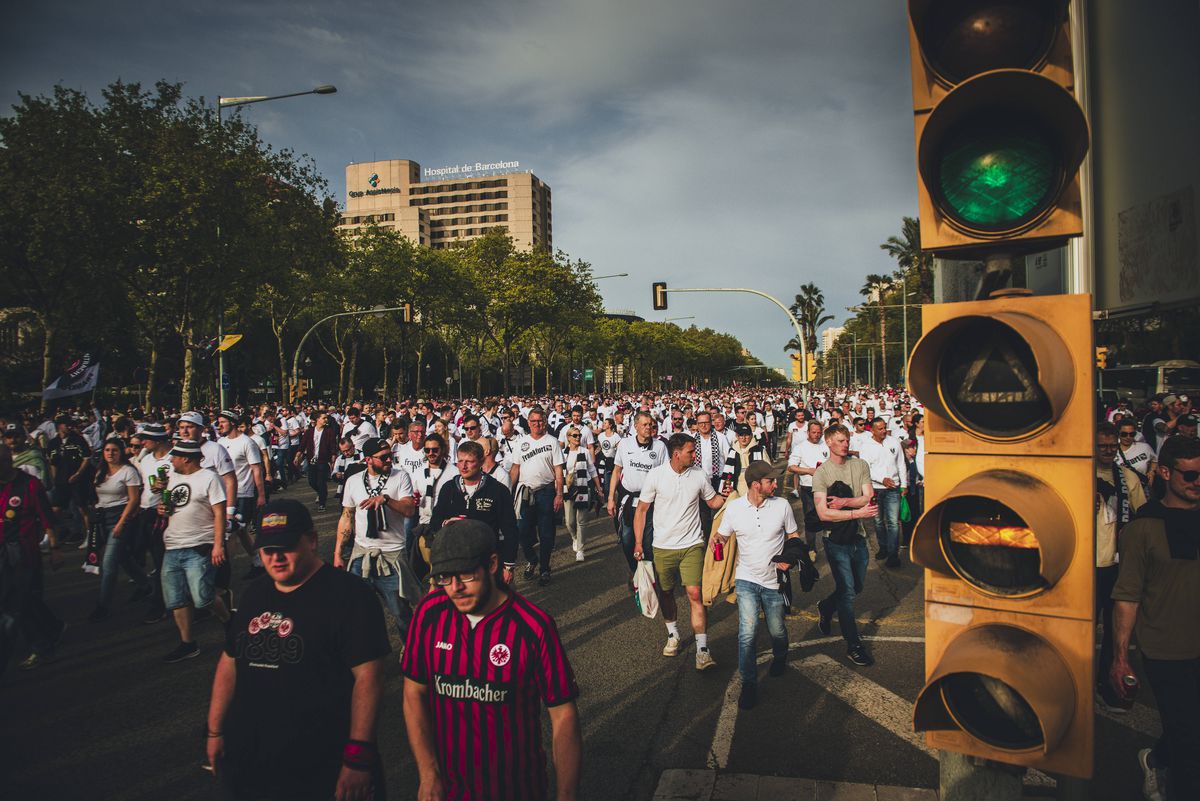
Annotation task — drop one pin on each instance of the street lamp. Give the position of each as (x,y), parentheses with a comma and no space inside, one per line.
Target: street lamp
(299,347)
(613,275)
(673,319)
(230,102)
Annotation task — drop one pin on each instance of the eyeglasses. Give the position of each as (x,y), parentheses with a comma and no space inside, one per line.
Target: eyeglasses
(1189,476)
(446,579)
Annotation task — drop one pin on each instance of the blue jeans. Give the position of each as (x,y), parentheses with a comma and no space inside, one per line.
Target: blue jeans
(887,520)
(750,597)
(537,528)
(848,563)
(388,590)
(189,577)
(118,552)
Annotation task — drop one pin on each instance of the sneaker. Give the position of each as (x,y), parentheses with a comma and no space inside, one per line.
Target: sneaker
(859,656)
(893,561)
(320,507)
(579,556)
(83,545)
(156,615)
(1152,784)
(704,659)
(672,647)
(254,572)
(185,650)
(1106,699)
(778,666)
(33,661)
(748,697)
(98,614)
(530,571)
(824,618)
(544,580)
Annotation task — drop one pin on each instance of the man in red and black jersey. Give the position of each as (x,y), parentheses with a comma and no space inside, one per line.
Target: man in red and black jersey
(479,661)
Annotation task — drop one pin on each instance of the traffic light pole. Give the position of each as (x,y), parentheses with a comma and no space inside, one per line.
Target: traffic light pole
(795,323)
(313,327)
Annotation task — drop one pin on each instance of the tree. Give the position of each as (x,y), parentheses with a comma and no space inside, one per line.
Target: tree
(874,288)
(906,250)
(809,310)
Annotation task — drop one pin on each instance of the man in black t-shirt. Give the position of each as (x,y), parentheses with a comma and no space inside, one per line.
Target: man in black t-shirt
(70,465)
(298,689)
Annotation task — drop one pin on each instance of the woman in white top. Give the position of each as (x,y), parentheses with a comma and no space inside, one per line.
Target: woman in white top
(579,474)
(119,493)
(606,451)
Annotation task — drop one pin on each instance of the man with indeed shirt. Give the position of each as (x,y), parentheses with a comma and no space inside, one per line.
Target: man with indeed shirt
(636,455)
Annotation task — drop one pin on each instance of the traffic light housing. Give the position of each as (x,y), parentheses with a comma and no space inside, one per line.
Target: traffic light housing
(1007,536)
(660,295)
(302,391)
(796,376)
(1101,358)
(406,312)
(999,134)
(810,366)
(293,390)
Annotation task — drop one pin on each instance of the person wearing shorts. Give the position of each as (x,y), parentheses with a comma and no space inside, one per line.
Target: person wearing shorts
(194,539)
(677,489)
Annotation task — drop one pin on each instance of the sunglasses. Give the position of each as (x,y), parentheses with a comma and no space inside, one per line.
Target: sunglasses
(383,457)
(1189,476)
(470,428)
(433,450)
(574,436)
(1127,434)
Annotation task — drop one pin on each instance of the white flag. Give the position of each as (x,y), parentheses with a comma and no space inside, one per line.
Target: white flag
(81,377)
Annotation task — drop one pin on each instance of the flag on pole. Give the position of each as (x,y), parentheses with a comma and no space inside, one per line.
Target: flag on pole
(80,377)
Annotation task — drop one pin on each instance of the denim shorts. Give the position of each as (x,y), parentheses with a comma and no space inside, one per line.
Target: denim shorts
(188,576)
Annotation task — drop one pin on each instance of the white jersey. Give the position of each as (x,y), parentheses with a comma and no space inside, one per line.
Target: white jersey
(192,521)
(396,485)
(808,454)
(244,453)
(637,460)
(676,498)
(536,459)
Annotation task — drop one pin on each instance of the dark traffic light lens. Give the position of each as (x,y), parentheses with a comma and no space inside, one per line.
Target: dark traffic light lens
(991,547)
(988,380)
(992,711)
(996,177)
(962,38)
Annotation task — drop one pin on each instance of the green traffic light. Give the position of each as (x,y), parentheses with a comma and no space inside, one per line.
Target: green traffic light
(996,177)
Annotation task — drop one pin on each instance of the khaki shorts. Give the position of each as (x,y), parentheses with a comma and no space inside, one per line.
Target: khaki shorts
(684,566)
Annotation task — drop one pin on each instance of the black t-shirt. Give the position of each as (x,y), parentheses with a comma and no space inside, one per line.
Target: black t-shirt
(66,454)
(290,716)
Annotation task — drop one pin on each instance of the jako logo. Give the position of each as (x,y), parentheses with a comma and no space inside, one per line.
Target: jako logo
(374,179)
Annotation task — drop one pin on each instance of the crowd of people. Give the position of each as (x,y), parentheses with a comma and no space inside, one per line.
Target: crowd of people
(447,506)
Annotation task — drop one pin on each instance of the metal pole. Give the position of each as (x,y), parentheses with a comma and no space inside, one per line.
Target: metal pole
(795,324)
(904,305)
(221,312)
(303,339)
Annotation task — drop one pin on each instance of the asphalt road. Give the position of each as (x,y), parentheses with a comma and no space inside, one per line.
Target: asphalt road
(108,720)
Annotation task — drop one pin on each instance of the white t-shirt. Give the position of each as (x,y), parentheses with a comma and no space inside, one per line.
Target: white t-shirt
(676,498)
(148,466)
(1139,456)
(192,500)
(536,458)
(213,456)
(760,531)
(114,490)
(429,487)
(586,437)
(244,452)
(885,459)
(807,454)
(407,457)
(396,486)
(362,432)
(636,462)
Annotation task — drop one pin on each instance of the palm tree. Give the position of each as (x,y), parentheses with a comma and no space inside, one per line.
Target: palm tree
(809,309)
(875,286)
(906,250)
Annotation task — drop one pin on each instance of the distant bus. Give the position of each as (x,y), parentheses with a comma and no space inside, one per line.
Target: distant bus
(1137,383)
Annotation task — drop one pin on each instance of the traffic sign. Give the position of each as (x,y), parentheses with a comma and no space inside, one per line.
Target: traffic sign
(576,373)
(226,383)
(589,374)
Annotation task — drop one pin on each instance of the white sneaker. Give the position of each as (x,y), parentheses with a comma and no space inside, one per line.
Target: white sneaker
(579,556)
(1151,779)
(704,659)
(795,493)
(672,647)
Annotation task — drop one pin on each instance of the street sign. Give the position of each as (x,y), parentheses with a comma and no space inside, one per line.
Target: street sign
(589,374)
(576,374)
(226,383)
(228,341)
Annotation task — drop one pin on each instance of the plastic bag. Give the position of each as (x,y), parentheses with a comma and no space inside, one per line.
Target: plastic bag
(645,595)
(905,510)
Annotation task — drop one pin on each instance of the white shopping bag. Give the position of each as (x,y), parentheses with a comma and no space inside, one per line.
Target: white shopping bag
(645,589)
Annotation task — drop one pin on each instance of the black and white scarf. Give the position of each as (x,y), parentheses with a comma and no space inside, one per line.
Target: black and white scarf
(1118,488)
(733,463)
(580,485)
(377,516)
(429,491)
(715,443)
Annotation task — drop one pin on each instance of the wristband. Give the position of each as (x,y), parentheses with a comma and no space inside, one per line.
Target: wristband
(230,511)
(359,755)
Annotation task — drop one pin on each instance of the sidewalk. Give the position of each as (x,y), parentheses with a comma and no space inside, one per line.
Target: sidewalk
(707,785)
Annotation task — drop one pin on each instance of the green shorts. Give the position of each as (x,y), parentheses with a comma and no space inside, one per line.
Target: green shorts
(684,566)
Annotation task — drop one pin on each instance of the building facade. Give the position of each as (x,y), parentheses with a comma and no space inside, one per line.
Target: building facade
(453,205)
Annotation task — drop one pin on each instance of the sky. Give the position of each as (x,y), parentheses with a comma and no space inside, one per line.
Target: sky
(703,143)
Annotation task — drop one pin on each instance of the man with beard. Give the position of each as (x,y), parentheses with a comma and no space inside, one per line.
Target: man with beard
(479,662)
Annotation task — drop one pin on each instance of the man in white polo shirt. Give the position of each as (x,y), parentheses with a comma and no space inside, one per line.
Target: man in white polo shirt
(808,452)
(762,524)
(676,489)
(537,480)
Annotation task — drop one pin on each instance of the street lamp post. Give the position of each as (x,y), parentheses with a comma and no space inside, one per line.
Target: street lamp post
(230,102)
(673,319)
(300,346)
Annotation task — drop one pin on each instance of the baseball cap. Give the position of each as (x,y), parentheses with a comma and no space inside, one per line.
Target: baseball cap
(373,445)
(743,430)
(758,470)
(284,521)
(1169,399)
(14,430)
(195,418)
(186,447)
(461,546)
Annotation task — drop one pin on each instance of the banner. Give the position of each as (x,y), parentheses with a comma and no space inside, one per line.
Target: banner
(80,377)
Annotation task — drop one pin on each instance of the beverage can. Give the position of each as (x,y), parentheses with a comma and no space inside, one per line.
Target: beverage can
(718,551)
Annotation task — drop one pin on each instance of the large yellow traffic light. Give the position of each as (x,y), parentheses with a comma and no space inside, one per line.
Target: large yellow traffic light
(796,376)
(810,367)
(1007,535)
(999,134)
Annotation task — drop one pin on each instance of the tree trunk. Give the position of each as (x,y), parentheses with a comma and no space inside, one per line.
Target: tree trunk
(384,382)
(151,374)
(351,379)
(283,371)
(419,354)
(47,358)
(185,390)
